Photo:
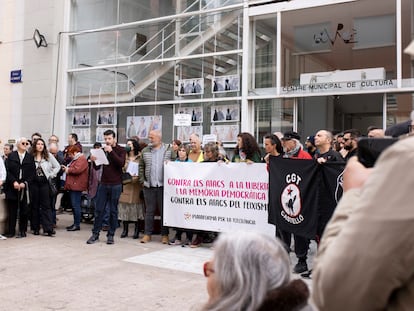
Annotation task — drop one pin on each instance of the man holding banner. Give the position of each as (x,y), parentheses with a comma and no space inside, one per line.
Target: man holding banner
(302,197)
(293,149)
(331,178)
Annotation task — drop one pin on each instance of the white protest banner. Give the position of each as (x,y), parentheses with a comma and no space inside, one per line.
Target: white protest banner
(217,197)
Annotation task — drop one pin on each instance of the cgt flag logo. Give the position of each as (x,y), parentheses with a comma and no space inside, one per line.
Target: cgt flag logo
(291,201)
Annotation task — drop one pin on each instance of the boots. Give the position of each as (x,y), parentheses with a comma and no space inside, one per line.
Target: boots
(94,238)
(125,231)
(136,231)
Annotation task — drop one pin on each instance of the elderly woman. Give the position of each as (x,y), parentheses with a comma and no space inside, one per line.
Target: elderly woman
(20,169)
(196,153)
(76,182)
(3,175)
(251,272)
(211,154)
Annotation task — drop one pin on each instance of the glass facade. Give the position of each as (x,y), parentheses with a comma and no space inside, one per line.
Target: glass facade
(328,66)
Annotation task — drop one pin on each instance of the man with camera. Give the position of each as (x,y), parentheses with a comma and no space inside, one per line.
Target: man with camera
(374,269)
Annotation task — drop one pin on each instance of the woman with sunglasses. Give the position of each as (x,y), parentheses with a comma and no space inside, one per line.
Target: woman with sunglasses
(47,167)
(251,272)
(20,169)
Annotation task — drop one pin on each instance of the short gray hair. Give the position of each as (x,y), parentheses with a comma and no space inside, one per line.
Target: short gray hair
(247,266)
(19,140)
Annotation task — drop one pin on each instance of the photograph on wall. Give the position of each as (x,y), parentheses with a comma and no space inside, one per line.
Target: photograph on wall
(81,118)
(195,112)
(84,134)
(225,113)
(100,133)
(191,86)
(106,117)
(226,84)
(140,126)
(184,132)
(225,133)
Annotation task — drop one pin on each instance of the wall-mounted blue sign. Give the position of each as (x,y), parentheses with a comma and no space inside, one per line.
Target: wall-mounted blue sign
(16,76)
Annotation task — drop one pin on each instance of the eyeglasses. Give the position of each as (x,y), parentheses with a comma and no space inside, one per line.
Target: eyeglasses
(207,269)
(25,143)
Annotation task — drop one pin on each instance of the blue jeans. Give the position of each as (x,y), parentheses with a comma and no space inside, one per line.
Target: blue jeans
(107,195)
(154,198)
(75,200)
(105,221)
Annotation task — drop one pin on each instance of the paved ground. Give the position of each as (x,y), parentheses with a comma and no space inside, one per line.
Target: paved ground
(64,273)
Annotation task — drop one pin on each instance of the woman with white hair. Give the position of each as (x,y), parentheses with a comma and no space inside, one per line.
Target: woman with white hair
(3,175)
(21,171)
(251,272)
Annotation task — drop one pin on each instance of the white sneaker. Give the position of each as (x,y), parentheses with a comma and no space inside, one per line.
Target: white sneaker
(2,237)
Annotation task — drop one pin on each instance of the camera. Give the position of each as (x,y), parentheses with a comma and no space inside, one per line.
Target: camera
(369,149)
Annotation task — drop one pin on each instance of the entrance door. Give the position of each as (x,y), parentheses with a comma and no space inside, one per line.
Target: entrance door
(338,113)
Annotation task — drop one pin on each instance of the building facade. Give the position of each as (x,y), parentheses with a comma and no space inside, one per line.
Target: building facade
(212,67)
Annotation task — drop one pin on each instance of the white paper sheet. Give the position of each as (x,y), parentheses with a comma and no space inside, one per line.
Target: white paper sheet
(100,157)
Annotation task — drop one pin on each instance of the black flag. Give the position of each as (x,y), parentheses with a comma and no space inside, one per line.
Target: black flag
(303,194)
(330,191)
(293,195)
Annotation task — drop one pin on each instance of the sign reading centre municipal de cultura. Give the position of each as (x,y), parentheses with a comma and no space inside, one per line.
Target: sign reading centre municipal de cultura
(341,81)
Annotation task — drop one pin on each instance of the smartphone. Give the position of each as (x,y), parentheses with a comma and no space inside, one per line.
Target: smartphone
(369,149)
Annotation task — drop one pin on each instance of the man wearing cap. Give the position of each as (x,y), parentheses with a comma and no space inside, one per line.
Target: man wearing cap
(310,145)
(293,149)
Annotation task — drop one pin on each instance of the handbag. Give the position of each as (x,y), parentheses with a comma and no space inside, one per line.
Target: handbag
(53,190)
(126,178)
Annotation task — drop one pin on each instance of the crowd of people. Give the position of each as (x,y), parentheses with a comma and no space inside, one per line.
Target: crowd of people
(249,271)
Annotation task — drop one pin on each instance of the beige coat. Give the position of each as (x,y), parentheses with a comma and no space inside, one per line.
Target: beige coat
(130,192)
(366,257)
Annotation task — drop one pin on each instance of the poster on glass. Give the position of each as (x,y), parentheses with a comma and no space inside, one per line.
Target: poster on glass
(82,118)
(184,132)
(106,117)
(225,113)
(84,134)
(225,133)
(224,84)
(140,126)
(191,86)
(195,112)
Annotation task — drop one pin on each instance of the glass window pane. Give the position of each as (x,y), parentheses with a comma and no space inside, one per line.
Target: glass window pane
(273,115)
(346,36)
(265,53)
